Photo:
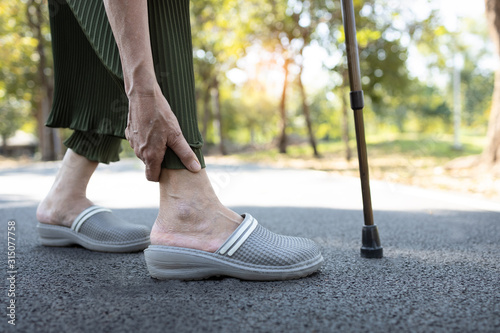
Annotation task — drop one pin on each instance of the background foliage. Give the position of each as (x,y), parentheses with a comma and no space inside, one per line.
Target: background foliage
(244,50)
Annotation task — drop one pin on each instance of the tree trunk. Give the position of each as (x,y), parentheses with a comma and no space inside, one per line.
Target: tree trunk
(283,139)
(218,117)
(48,136)
(345,119)
(400,114)
(206,116)
(307,114)
(491,154)
(252,135)
(345,127)
(4,145)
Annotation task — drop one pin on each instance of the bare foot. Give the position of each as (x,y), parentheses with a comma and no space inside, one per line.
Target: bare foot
(191,215)
(61,211)
(67,198)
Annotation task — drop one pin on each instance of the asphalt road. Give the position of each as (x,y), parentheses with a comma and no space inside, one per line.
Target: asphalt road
(440,272)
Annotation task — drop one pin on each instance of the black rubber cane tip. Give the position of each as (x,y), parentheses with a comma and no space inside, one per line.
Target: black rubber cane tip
(371,243)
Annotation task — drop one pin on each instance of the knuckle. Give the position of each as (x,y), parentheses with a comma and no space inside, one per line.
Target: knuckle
(149,157)
(175,139)
(153,157)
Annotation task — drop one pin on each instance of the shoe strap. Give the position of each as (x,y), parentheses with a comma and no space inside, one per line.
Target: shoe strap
(85,215)
(239,236)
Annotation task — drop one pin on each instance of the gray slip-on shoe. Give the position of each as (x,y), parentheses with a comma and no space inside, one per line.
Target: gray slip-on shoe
(97,229)
(251,253)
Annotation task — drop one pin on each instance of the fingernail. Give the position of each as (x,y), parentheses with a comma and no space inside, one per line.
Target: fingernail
(195,166)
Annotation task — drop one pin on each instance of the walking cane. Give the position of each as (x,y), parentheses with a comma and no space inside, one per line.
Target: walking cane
(370,239)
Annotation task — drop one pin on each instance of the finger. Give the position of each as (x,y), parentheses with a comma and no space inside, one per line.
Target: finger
(153,167)
(129,137)
(182,149)
(153,171)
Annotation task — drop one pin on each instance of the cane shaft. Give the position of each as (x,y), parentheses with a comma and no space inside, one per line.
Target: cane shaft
(357,105)
(351,45)
(363,166)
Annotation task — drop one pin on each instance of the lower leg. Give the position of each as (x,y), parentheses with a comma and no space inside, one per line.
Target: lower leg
(67,198)
(190,213)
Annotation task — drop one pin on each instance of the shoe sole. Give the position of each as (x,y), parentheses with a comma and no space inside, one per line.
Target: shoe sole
(53,235)
(168,263)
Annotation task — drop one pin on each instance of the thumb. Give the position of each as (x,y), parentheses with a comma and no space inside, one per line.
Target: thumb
(182,149)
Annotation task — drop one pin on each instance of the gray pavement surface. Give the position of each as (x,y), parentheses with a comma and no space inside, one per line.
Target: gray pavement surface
(440,272)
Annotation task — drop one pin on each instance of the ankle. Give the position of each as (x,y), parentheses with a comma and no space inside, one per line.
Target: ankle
(67,197)
(191,215)
(62,210)
(193,236)
(203,228)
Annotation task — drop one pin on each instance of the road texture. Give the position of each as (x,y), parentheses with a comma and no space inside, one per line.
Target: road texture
(440,272)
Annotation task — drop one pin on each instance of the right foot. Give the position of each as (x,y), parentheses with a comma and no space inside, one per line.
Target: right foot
(191,215)
(201,229)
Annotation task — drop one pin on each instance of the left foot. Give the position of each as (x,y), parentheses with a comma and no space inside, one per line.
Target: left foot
(59,209)
(67,198)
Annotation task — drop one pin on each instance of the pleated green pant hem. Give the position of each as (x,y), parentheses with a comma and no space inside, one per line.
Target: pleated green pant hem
(106,149)
(95,147)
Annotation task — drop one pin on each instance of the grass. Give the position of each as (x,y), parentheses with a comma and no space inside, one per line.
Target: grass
(436,148)
(414,159)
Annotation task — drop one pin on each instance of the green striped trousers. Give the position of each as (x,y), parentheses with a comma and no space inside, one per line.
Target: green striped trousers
(89,95)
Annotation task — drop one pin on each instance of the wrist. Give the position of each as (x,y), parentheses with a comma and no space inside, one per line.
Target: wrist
(140,82)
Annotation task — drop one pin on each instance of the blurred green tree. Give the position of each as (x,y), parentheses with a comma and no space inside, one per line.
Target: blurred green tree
(382,56)
(491,154)
(229,32)
(25,69)
(12,115)
(288,27)
(218,43)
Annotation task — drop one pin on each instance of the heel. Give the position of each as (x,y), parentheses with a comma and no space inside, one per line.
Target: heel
(50,235)
(163,264)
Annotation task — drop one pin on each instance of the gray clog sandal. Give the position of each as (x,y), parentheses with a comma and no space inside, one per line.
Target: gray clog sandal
(97,229)
(251,253)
